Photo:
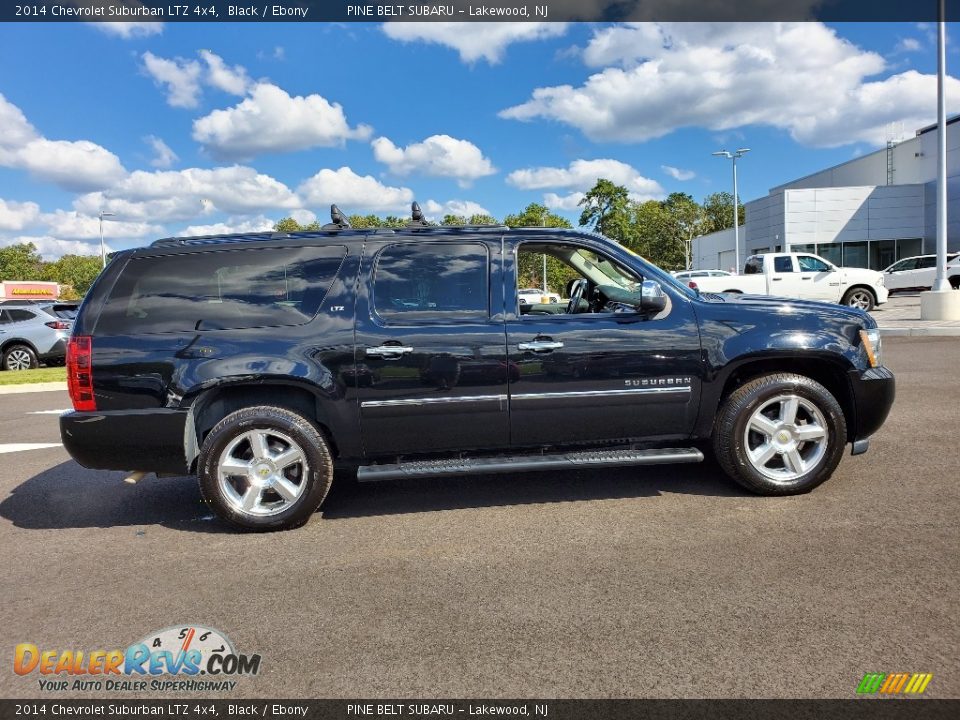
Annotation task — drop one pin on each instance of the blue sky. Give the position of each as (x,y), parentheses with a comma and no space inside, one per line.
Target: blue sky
(211,127)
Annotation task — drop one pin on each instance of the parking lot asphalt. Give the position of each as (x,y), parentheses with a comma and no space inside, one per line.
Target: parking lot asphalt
(654,582)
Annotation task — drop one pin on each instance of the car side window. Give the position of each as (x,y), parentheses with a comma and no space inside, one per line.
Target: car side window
(927,262)
(20,315)
(783,264)
(808,263)
(432,282)
(754,265)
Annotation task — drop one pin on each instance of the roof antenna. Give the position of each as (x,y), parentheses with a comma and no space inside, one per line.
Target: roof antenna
(416,216)
(338,221)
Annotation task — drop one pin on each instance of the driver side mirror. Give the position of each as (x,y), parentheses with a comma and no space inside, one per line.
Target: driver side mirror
(652,298)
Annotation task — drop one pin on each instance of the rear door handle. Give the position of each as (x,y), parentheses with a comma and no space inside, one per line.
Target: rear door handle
(545,345)
(388,352)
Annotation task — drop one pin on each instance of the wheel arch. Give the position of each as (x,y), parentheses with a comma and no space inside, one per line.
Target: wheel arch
(829,371)
(18,341)
(861,286)
(212,405)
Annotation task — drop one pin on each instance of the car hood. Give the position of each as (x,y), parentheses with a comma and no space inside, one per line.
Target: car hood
(786,307)
(860,274)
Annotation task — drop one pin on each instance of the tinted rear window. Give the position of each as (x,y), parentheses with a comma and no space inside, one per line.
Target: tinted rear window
(20,315)
(254,287)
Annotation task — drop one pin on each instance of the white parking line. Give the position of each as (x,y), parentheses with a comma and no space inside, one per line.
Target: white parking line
(48,412)
(17,447)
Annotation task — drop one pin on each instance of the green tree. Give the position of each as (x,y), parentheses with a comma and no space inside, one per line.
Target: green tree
(718,212)
(530,270)
(287,224)
(21,262)
(482,219)
(453,220)
(77,271)
(606,209)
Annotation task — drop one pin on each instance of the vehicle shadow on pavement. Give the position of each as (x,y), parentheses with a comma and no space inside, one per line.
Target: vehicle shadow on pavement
(70,496)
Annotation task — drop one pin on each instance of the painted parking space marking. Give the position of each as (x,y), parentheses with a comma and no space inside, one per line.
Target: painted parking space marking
(17,447)
(48,412)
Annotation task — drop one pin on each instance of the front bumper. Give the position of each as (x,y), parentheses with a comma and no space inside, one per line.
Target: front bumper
(883,294)
(150,440)
(873,394)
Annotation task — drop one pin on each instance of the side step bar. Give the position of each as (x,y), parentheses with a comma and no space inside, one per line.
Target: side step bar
(523,463)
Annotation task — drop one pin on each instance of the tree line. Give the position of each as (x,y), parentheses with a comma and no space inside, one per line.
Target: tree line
(659,230)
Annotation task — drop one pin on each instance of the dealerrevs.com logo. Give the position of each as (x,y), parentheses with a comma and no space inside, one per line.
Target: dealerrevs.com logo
(172,659)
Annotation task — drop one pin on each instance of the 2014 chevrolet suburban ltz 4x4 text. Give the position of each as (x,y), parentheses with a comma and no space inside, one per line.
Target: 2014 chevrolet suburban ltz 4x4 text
(262,362)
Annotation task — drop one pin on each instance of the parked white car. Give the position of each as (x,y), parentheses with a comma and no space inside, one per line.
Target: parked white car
(919,272)
(535,296)
(807,277)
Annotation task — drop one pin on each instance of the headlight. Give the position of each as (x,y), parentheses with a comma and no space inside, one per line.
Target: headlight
(880,281)
(871,344)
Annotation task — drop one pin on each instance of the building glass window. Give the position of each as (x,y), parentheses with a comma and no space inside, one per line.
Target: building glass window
(908,247)
(831,252)
(855,254)
(882,253)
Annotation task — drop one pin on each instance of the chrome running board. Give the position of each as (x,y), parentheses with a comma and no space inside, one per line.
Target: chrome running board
(525,463)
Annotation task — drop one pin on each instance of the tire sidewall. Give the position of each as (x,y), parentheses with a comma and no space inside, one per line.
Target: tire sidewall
(301,431)
(34,363)
(836,436)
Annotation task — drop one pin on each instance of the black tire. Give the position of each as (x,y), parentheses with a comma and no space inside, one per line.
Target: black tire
(311,479)
(20,357)
(859,297)
(731,442)
(955,282)
(733,292)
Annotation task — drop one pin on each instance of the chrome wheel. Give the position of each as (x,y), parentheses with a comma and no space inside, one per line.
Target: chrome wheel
(262,472)
(19,359)
(860,299)
(786,438)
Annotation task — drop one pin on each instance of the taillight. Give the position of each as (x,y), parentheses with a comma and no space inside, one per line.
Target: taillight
(58,325)
(79,373)
(692,284)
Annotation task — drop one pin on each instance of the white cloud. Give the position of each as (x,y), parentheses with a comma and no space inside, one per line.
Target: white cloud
(76,226)
(230,225)
(438,156)
(164,157)
(233,80)
(908,44)
(800,77)
(169,195)
(464,208)
(678,173)
(71,164)
(180,77)
(270,120)
(474,40)
(581,175)
(568,203)
(18,215)
(353,192)
(128,30)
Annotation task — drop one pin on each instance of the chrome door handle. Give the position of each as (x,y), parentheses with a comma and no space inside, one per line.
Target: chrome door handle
(388,351)
(776,279)
(540,345)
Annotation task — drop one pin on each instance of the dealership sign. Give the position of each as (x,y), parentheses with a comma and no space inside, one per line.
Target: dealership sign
(14,290)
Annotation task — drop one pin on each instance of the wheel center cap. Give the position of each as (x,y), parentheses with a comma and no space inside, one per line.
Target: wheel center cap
(262,472)
(783,436)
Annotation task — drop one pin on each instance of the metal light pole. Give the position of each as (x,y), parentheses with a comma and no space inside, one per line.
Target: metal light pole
(736,215)
(103,251)
(941,282)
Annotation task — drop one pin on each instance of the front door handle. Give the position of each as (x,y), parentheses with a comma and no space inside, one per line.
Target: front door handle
(776,279)
(545,345)
(388,352)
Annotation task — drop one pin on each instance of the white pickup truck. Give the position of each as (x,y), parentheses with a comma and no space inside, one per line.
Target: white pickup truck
(798,275)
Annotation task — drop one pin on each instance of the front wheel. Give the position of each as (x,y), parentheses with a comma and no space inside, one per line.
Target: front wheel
(265,468)
(780,434)
(859,298)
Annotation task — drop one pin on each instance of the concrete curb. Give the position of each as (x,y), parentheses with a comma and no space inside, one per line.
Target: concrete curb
(32,388)
(920,331)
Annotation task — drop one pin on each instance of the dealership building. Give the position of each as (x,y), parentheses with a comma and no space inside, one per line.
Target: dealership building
(868,212)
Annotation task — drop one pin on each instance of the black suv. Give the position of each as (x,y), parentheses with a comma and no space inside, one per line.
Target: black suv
(261,362)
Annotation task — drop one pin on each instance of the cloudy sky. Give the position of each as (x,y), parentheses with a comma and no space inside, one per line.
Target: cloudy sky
(201,128)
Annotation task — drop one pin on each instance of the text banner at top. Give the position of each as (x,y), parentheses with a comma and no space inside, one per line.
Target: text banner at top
(472,11)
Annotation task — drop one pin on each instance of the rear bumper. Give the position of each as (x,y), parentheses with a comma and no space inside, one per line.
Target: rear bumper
(57,352)
(150,440)
(873,394)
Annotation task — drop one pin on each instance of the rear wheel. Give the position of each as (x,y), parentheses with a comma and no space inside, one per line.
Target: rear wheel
(859,297)
(265,468)
(955,282)
(19,357)
(780,434)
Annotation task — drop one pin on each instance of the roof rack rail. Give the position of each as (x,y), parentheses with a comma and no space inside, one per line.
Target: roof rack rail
(235,237)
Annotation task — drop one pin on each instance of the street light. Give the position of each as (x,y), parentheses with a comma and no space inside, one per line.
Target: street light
(103,251)
(736,216)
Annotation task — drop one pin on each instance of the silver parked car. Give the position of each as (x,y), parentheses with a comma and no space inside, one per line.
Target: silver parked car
(31,334)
